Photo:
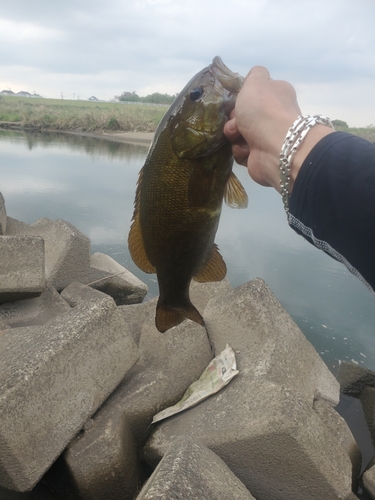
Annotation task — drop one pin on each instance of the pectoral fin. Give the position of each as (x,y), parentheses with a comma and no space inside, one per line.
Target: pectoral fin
(214,269)
(235,195)
(200,186)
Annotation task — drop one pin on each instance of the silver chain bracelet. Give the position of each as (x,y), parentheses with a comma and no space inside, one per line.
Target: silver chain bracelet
(293,140)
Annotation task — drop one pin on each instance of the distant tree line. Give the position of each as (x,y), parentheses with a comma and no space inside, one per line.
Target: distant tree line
(155,98)
(340,125)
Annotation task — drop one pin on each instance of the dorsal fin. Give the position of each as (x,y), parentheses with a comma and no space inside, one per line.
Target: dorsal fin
(200,184)
(137,249)
(235,195)
(135,239)
(214,269)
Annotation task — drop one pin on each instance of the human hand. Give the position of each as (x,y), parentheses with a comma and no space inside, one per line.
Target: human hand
(265,109)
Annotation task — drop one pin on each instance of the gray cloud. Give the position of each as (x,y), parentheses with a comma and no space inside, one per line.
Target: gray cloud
(104,48)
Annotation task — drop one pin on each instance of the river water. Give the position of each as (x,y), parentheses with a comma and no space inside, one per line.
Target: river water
(91,183)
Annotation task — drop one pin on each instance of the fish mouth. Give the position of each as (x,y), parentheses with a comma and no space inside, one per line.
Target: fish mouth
(232,82)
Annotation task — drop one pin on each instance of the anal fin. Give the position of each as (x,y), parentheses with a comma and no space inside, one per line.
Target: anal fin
(214,269)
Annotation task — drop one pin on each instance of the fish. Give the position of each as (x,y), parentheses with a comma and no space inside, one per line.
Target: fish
(180,190)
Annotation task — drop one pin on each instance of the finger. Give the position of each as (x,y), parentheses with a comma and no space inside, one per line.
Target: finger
(231,131)
(259,72)
(241,153)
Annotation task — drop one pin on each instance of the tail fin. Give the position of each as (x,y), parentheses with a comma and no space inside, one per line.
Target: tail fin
(168,317)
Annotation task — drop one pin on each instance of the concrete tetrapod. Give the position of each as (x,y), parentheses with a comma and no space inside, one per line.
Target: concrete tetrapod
(263,424)
(52,379)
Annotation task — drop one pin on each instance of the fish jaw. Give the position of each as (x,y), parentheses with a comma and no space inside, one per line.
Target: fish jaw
(229,80)
(197,127)
(222,78)
(203,133)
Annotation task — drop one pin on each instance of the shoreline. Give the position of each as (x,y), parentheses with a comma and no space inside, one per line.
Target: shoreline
(144,138)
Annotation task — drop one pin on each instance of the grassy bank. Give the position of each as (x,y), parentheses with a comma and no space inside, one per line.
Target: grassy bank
(85,116)
(59,114)
(364,132)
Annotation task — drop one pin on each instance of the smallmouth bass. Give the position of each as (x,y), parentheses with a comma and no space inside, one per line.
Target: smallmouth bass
(180,190)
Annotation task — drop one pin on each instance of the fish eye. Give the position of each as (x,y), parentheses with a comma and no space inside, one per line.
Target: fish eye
(196,93)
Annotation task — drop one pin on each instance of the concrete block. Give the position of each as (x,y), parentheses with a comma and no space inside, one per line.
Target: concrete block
(190,470)
(367,399)
(353,378)
(67,250)
(202,293)
(91,277)
(78,293)
(351,410)
(60,262)
(3,326)
(52,379)
(55,484)
(343,435)
(121,284)
(268,435)
(36,311)
(263,424)
(134,315)
(14,495)
(21,267)
(252,321)
(15,227)
(138,316)
(3,215)
(169,362)
(102,460)
(369,481)
(103,282)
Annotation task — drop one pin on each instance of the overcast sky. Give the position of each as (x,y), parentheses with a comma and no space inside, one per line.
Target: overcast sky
(79,48)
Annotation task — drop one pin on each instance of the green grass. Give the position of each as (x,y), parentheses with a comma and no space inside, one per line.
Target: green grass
(82,116)
(86,116)
(366,132)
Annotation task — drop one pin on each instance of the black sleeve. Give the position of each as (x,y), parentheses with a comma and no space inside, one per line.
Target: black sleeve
(333,202)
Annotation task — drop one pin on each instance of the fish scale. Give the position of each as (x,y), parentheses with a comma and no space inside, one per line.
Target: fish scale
(180,190)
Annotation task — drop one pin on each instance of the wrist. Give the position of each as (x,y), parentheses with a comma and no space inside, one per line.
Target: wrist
(312,138)
(295,137)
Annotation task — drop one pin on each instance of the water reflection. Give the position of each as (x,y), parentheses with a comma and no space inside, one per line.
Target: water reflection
(94,146)
(91,183)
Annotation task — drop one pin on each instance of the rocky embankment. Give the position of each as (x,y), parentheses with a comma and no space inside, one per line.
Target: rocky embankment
(83,370)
